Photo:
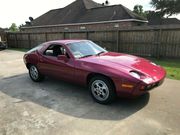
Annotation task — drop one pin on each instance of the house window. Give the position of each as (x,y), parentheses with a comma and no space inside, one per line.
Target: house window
(116,25)
(66,28)
(82,27)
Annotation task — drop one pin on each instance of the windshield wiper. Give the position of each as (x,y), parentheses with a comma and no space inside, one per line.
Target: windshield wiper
(100,53)
(86,56)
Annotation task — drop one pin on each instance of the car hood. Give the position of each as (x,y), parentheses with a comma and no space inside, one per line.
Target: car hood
(128,63)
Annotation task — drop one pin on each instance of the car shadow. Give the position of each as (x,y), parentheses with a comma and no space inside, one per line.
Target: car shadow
(68,98)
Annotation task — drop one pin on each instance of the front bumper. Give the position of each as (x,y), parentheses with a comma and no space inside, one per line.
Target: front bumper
(142,88)
(139,89)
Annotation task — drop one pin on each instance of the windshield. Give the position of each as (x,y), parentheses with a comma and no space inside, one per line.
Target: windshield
(85,48)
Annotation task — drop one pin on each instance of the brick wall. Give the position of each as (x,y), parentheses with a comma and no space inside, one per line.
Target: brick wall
(102,26)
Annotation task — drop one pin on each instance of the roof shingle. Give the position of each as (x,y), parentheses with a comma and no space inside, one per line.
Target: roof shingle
(84,11)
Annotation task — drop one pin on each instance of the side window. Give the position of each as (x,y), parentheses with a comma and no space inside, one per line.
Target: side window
(55,50)
(49,51)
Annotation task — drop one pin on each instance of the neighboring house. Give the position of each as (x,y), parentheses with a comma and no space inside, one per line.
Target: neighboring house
(163,21)
(1,30)
(2,34)
(85,14)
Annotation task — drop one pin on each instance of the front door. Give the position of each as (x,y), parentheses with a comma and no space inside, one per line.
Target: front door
(50,64)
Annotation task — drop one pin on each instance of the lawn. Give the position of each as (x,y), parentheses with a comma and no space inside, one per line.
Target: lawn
(172,67)
(18,49)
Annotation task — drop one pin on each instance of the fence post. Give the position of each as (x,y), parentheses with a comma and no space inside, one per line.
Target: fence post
(64,35)
(87,35)
(158,44)
(16,42)
(46,38)
(29,40)
(118,40)
(7,38)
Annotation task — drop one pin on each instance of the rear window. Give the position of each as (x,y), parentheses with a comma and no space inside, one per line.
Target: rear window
(35,48)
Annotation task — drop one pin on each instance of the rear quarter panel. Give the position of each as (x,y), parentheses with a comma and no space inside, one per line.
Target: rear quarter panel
(31,58)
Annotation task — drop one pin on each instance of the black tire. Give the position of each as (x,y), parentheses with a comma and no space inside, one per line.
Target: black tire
(108,95)
(36,78)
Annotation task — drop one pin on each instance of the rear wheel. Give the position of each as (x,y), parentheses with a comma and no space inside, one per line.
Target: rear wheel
(102,89)
(34,74)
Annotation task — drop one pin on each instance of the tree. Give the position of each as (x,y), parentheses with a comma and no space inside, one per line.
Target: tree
(138,9)
(13,28)
(153,17)
(166,7)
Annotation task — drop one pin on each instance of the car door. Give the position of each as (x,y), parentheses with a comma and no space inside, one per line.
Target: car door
(52,66)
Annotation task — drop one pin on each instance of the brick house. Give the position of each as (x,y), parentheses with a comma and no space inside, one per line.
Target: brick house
(85,15)
(163,21)
(2,34)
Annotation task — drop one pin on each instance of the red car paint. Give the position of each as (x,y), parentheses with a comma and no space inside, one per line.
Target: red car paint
(116,66)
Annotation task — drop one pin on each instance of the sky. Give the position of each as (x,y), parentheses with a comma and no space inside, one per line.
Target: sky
(18,11)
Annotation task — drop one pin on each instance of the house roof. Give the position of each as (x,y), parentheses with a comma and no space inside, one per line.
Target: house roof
(85,11)
(163,21)
(91,4)
(108,13)
(1,30)
(166,21)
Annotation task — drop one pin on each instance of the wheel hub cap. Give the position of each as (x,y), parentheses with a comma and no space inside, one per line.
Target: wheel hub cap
(34,72)
(100,90)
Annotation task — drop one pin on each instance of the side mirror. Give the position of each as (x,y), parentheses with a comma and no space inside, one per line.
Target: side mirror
(62,58)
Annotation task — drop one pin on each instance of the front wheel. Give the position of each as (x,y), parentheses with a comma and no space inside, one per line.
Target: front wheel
(34,74)
(102,90)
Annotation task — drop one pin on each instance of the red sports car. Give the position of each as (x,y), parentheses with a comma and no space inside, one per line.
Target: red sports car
(107,74)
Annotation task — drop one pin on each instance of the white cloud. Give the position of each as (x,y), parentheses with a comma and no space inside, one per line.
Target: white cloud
(18,11)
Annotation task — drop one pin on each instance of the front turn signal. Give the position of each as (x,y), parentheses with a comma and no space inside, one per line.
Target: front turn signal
(129,86)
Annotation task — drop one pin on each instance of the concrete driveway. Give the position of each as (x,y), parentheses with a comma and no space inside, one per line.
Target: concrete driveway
(60,108)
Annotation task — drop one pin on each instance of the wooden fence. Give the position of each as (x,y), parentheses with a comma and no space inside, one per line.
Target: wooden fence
(153,42)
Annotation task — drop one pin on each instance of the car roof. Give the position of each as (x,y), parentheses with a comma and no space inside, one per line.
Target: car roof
(65,42)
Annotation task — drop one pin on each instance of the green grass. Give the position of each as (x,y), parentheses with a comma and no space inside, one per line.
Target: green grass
(18,49)
(172,67)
